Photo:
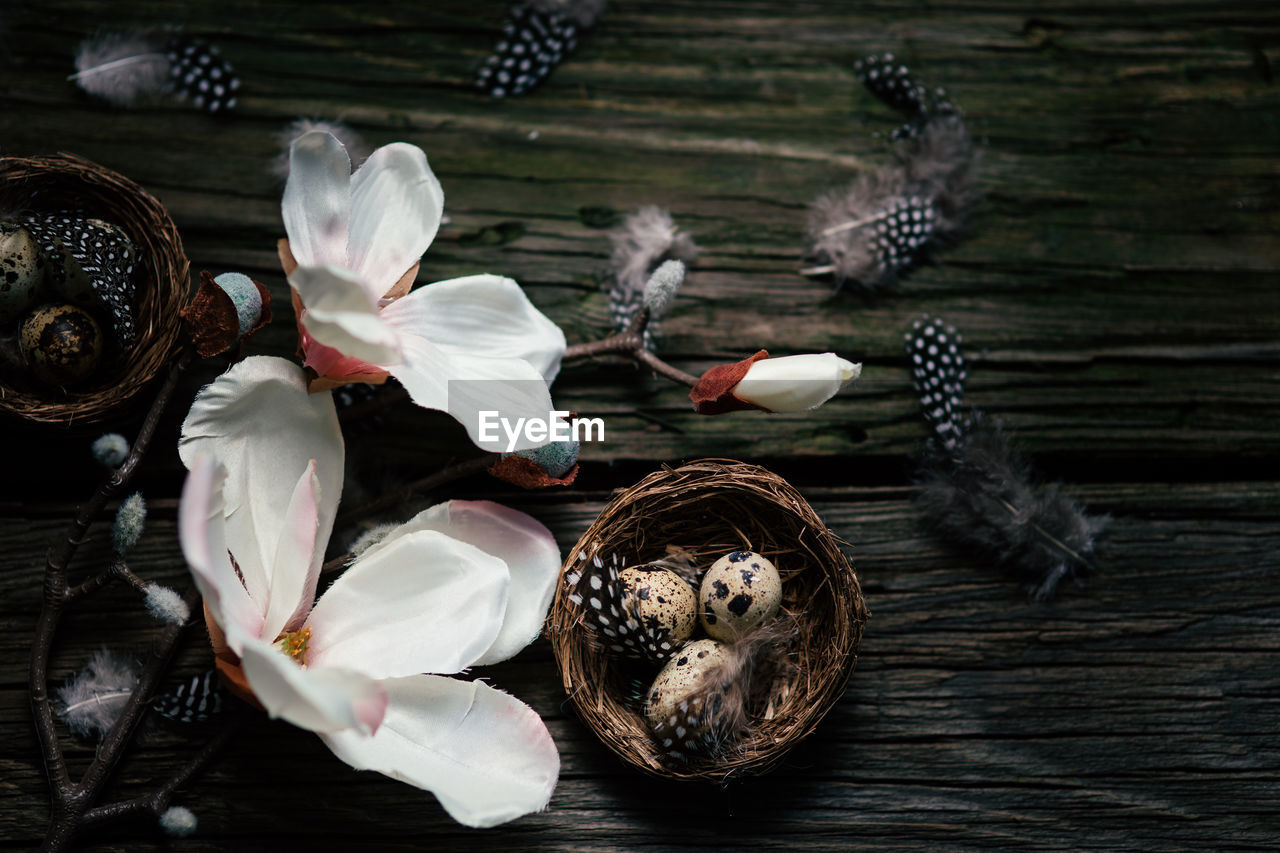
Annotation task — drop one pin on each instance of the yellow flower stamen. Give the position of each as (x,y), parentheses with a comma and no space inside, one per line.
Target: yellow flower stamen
(294,644)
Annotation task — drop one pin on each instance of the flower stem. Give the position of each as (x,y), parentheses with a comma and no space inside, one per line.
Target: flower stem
(630,343)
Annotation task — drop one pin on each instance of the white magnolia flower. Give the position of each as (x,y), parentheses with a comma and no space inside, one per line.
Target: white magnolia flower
(461,584)
(795,383)
(356,240)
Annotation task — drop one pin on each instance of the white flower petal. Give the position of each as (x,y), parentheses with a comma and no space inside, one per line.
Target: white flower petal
(486,756)
(293,568)
(520,541)
(341,314)
(322,699)
(424,602)
(796,383)
(317,199)
(482,315)
(465,386)
(396,203)
(259,422)
(202,532)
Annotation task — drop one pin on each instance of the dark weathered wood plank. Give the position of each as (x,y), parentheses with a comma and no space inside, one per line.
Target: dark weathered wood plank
(1136,712)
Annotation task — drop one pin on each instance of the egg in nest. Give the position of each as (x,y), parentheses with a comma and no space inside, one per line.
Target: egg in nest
(741,591)
(663,605)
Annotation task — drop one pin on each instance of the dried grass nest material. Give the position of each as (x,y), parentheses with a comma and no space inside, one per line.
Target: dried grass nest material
(708,508)
(57,182)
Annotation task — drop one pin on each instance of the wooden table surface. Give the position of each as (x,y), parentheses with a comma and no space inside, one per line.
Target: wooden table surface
(1118,293)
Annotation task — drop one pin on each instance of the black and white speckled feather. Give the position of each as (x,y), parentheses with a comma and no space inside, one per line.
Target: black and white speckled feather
(595,586)
(978,492)
(893,218)
(126,68)
(894,85)
(103,253)
(938,369)
(198,71)
(194,701)
(533,43)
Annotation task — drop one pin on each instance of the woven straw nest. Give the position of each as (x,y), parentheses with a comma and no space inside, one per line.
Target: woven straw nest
(708,508)
(57,182)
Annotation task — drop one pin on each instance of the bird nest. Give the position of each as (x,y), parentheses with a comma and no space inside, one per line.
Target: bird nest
(59,182)
(703,510)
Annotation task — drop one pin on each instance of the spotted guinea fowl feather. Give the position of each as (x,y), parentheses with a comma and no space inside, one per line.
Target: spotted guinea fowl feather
(978,492)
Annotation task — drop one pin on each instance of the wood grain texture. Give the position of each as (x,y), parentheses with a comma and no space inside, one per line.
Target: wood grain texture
(1118,294)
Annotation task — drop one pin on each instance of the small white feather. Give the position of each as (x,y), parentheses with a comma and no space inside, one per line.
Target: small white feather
(92,701)
(122,68)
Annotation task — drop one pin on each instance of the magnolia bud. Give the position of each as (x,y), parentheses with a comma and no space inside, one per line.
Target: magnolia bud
(796,383)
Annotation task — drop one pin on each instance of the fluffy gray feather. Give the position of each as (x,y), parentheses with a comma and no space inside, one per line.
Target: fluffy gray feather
(643,242)
(982,495)
(889,220)
(92,701)
(122,68)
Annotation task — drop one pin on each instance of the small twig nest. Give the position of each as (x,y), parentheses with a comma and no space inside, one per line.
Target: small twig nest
(57,182)
(706,509)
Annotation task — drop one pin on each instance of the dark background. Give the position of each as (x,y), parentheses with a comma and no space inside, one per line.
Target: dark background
(1118,294)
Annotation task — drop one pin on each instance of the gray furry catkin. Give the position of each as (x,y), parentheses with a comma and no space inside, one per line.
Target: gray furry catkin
(644,241)
(887,221)
(978,492)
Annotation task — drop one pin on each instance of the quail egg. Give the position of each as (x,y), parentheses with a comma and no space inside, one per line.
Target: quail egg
(681,696)
(21,272)
(663,605)
(740,591)
(61,343)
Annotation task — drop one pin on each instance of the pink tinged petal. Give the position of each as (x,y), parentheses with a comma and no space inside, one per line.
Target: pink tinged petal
(340,314)
(485,755)
(201,530)
(465,386)
(481,315)
(259,422)
(317,200)
(796,383)
(422,603)
(396,204)
(322,699)
(520,541)
(295,573)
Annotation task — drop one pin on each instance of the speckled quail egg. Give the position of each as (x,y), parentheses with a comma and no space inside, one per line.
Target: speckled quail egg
(664,605)
(21,272)
(676,707)
(61,343)
(740,591)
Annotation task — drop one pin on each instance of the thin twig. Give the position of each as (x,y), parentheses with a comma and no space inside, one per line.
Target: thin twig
(158,800)
(630,343)
(118,570)
(69,800)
